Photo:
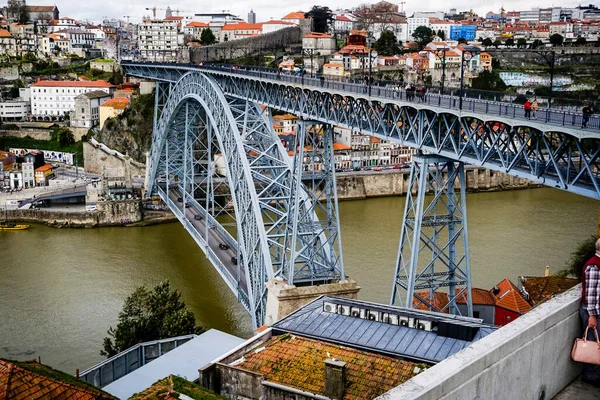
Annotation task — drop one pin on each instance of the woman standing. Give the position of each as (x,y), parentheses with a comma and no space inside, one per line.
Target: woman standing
(534,108)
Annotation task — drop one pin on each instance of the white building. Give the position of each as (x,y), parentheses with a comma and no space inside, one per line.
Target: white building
(444,26)
(344,23)
(275,25)
(319,43)
(28,174)
(53,99)
(414,23)
(241,30)
(194,29)
(8,44)
(14,110)
(159,40)
(62,24)
(87,108)
(78,39)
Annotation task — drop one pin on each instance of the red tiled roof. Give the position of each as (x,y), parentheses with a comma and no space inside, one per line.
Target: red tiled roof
(173,18)
(242,26)
(294,15)
(118,103)
(510,298)
(99,84)
(318,35)
(299,362)
(278,22)
(5,33)
(30,380)
(44,168)
(197,24)
(479,297)
(439,301)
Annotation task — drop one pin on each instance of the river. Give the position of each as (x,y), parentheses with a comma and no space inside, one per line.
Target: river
(61,289)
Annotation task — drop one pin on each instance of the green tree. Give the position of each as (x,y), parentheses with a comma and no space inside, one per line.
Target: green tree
(387,44)
(581,41)
(556,39)
(207,37)
(536,43)
(150,314)
(497,43)
(441,34)
(423,35)
(489,80)
(462,41)
(57,49)
(487,42)
(14,90)
(583,252)
(65,137)
(117,76)
(322,17)
(509,42)
(521,43)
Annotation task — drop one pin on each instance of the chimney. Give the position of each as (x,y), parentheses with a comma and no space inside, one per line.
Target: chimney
(496,290)
(335,378)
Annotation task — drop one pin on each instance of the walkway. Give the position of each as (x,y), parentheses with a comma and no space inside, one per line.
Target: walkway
(578,390)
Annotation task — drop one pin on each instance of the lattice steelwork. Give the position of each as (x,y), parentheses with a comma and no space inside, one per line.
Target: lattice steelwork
(195,127)
(438,229)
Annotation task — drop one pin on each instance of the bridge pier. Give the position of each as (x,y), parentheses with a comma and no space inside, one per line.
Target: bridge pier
(434,227)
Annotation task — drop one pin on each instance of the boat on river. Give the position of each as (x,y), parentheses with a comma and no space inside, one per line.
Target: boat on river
(9,226)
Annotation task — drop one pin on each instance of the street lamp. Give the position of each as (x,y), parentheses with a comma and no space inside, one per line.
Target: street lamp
(306,53)
(550,57)
(466,54)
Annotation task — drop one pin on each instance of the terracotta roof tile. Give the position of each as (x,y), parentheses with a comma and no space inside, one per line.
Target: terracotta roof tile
(295,15)
(118,103)
(510,298)
(100,83)
(299,362)
(30,380)
(5,33)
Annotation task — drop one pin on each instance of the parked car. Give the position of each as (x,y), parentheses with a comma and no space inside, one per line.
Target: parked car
(398,166)
(356,168)
(377,169)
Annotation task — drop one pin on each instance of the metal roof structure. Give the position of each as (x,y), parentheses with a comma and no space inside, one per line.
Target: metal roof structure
(426,336)
(182,361)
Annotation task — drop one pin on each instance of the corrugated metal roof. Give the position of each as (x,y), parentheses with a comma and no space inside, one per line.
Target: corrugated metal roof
(312,321)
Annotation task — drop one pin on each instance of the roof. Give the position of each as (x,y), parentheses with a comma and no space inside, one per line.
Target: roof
(99,83)
(43,168)
(5,33)
(242,26)
(510,298)
(299,362)
(295,15)
(285,116)
(278,22)
(173,18)
(118,103)
(30,380)
(312,320)
(542,288)
(95,94)
(172,387)
(182,361)
(40,8)
(342,18)
(197,25)
(339,146)
(318,35)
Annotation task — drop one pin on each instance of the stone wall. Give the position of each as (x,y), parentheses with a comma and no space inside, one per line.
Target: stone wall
(530,358)
(109,213)
(38,134)
(99,158)
(10,73)
(239,48)
(378,184)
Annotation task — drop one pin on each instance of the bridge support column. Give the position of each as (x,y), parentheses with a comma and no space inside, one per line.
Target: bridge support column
(317,255)
(439,228)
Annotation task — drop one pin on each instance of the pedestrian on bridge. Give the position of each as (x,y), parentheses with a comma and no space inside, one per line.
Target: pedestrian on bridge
(590,309)
(527,108)
(587,112)
(534,108)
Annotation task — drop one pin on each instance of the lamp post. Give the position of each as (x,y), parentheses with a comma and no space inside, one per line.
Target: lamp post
(465,55)
(550,57)
(310,52)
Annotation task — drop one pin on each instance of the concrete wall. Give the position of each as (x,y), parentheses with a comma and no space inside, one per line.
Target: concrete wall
(528,359)
(394,184)
(108,213)
(99,159)
(240,48)
(38,134)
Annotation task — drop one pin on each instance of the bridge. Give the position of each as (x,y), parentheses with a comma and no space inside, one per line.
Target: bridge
(282,216)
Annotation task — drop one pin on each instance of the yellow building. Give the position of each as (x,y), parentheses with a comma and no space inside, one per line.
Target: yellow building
(42,174)
(112,108)
(333,69)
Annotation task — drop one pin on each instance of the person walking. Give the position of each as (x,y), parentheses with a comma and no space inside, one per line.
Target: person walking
(534,108)
(587,112)
(527,108)
(590,308)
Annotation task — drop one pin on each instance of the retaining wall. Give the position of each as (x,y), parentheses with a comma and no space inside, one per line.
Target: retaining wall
(528,359)
(99,158)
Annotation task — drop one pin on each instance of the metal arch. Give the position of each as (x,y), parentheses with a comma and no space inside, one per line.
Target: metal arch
(261,180)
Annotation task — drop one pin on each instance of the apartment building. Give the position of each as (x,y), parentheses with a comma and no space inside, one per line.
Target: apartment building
(51,100)
(159,40)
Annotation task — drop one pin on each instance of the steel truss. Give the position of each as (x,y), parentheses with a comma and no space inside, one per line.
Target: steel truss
(434,228)
(194,124)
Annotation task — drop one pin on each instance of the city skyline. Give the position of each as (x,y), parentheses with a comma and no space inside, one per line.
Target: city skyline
(269,9)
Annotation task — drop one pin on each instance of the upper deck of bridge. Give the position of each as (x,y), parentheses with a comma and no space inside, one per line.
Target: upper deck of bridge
(547,119)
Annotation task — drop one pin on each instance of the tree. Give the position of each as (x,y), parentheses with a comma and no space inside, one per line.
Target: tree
(509,42)
(581,41)
(207,37)
(487,42)
(556,39)
(383,13)
(441,34)
(117,76)
(423,35)
(489,80)
(387,44)
(583,252)
(57,49)
(536,43)
(497,43)
(462,41)
(65,137)
(521,43)
(150,314)
(322,17)
(14,90)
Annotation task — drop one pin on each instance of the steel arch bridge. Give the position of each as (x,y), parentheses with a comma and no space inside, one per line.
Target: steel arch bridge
(281,229)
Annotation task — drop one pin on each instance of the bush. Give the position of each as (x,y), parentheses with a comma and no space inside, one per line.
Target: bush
(583,252)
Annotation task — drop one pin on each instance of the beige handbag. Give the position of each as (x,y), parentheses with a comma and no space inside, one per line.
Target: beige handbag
(587,351)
